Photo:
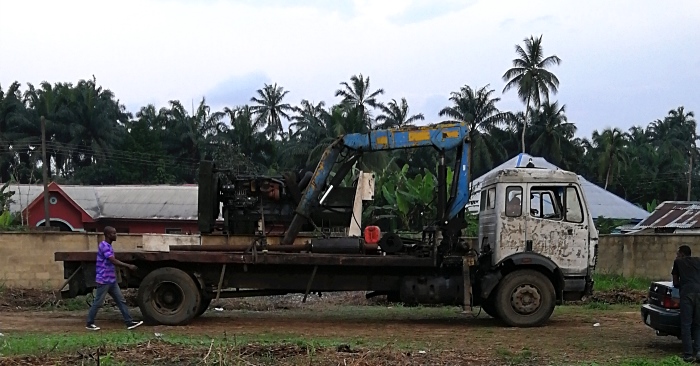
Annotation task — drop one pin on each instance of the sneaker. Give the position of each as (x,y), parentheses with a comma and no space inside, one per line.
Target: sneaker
(133,325)
(92,327)
(688,359)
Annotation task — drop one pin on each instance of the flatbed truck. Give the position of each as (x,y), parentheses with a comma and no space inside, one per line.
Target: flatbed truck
(301,233)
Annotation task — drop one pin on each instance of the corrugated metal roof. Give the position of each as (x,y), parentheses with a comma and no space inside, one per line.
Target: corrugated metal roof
(122,202)
(674,214)
(601,202)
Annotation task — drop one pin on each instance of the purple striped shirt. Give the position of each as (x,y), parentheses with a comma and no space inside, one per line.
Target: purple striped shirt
(104,269)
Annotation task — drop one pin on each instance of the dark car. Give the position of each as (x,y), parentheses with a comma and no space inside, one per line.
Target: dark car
(661,310)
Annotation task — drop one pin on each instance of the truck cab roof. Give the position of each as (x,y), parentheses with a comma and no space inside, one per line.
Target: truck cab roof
(530,175)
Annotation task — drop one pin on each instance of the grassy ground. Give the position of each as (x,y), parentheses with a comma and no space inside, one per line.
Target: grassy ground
(617,282)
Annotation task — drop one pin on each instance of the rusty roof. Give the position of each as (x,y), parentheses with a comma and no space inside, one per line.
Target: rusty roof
(673,214)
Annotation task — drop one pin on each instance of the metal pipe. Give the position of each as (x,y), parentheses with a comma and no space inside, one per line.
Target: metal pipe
(442,187)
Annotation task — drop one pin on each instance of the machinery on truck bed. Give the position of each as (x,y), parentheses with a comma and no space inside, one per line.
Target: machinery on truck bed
(301,233)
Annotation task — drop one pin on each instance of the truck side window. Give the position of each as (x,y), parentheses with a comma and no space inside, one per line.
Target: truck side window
(482,201)
(514,205)
(492,198)
(545,204)
(574,212)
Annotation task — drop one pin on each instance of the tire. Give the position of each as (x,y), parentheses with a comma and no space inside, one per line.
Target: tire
(203,305)
(489,305)
(169,296)
(525,299)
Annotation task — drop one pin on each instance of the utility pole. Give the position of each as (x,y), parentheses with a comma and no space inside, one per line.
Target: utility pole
(690,174)
(45,172)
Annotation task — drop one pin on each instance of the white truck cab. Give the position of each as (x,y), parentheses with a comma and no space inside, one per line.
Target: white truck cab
(534,222)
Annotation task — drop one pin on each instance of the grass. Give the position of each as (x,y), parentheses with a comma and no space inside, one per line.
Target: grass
(605,282)
(38,344)
(668,361)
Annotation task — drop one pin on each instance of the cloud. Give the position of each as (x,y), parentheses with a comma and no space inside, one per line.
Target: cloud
(422,10)
(236,90)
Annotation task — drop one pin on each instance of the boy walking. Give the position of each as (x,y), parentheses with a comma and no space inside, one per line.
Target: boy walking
(106,278)
(686,276)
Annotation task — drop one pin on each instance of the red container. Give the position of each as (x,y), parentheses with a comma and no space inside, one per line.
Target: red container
(372,234)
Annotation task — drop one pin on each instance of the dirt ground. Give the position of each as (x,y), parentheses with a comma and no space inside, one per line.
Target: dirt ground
(392,335)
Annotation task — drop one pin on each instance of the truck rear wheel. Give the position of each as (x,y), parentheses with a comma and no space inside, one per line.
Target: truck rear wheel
(203,305)
(525,299)
(169,296)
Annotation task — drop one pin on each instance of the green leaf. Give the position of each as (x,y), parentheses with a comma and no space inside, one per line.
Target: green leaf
(388,196)
(402,204)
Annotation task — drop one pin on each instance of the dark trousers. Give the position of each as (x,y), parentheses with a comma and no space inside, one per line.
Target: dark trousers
(690,323)
(113,290)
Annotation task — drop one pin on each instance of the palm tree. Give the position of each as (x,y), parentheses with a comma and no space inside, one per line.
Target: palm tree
(357,95)
(242,145)
(477,108)
(271,109)
(12,117)
(396,115)
(529,75)
(611,145)
(551,132)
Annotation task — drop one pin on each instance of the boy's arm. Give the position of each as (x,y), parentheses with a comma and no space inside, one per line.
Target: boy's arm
(109,254)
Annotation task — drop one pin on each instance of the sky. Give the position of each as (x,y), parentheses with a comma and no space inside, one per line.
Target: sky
(624,62)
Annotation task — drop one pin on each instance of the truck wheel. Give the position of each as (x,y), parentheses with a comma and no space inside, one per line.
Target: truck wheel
(169,296)
(203,305)
(525,299)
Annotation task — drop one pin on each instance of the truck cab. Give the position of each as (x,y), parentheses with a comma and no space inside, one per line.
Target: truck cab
(535,220)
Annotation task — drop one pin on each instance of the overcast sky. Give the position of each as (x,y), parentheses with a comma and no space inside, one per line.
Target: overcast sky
(624,63)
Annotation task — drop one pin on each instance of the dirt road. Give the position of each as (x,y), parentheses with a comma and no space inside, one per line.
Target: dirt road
(571,334)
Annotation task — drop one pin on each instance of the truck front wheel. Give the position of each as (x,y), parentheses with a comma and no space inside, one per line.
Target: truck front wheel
(525,298)
(169,296)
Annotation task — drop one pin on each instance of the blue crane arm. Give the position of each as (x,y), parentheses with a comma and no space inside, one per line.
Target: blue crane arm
(442,137)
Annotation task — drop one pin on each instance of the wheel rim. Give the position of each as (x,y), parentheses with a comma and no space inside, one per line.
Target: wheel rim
(168,298)
(526,299)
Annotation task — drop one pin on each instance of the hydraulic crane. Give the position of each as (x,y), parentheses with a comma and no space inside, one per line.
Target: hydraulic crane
(443,137)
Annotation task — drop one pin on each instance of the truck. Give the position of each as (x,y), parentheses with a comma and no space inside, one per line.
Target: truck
(302,233)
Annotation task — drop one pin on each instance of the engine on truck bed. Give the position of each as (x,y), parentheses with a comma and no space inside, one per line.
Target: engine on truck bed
(239,204)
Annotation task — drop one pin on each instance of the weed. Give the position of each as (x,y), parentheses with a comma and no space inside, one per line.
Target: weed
(598,305)
(523,356)
(607,282)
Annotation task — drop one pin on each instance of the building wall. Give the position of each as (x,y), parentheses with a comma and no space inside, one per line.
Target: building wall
(144,226)
(27,259)
(62,210)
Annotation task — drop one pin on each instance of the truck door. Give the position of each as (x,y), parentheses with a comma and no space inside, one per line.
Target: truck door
(557,227)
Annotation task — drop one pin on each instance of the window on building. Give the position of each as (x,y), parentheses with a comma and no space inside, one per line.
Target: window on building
(173,231)
(514,205)
(122,230)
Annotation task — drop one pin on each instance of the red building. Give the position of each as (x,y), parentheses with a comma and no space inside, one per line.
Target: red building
(129,209)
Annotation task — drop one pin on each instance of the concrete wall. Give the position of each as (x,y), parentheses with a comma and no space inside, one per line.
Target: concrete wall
(27,259)
(647,255)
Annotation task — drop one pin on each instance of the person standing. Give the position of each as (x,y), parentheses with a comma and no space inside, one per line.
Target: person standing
(106,279)
(686,277)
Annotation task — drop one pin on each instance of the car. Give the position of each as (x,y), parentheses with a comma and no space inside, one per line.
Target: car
(661,309)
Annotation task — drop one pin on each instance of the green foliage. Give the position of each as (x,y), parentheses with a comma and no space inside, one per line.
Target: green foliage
(606,282)
(606,225)
(651,206)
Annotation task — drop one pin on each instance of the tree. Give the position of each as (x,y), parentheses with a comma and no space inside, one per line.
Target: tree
(529,75)
(270,109)
(551,132)
(396,115)
(357,95)
(611,146)
(477,108)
